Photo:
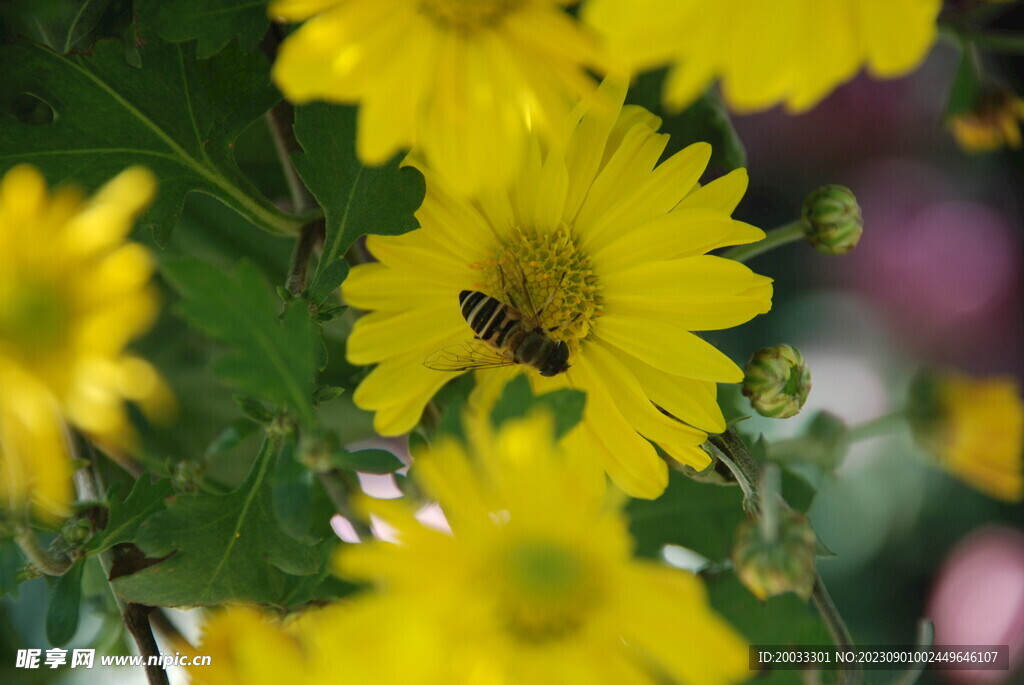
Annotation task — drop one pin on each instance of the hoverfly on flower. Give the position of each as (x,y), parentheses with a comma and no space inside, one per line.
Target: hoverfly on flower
(507,332)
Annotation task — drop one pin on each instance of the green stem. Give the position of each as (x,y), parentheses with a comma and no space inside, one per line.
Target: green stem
(39,556)
(310,236)
(734,454)
(925,639)
(280,120)
(783,235)
(973,56)
(135,617)
(836,628)
(881,425)
(771,496)
(746,468)
(337,489)
(999,41)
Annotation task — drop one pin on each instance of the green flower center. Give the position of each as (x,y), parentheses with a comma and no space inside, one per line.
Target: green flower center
(549,591)
(468,15)
(548,273)
(33,317)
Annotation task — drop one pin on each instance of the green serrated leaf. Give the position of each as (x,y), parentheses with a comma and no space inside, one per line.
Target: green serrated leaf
(798,493)
(366,461)
(818,451)
(273,358)
(330,314)
(966,89)
(292,485)
(783,620)
(357,200)
(65,605)
(326,393)
(325,585)
(177,116)
(145,499)
(253,409)
(223,548)
(450,402)
(700,516)
(328,281)
(213,23)
(517,400)
(64,25)
(418,443)
(230,436)
(320,353)
(822,550)
(11,562)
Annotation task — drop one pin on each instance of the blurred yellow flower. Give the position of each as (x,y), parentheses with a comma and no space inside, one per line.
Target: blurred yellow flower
(465,80)
(534,584)
(610,250)
(975,428)
(790,51)
(72,295)
(993,123)
(246,647)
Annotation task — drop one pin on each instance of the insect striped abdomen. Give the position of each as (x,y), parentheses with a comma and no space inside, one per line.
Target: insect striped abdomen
(504,328)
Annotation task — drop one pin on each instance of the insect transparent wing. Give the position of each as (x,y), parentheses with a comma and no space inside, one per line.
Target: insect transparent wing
(472,354)
(517,293)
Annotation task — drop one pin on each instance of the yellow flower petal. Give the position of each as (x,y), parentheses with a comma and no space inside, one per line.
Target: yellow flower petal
(696,648)
(377,286)
(297,10)
(73,294)
(631,461)
(789,51)
(667,346)
(385,334)
(682,233)
(722,194)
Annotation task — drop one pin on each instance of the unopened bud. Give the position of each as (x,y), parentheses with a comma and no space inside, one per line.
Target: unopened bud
(831,219)
(777,381)
(76,531)
(187,476)
(315,452)
(785,563)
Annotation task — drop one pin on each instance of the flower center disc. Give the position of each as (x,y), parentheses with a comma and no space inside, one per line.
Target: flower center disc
(544,274)
(468,14)
(549,591)
(33,317)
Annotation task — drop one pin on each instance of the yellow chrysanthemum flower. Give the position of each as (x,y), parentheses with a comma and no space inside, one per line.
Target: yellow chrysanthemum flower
(535,584)
(791,51)
(975,428)
(72,294)
(248,647)
(464,80)
(993,123)
(610,247)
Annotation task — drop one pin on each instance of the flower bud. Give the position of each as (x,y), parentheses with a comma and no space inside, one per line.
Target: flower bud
(831,219)
(315,453)
(770,567)
(777,381)
(76,531)
(187,476)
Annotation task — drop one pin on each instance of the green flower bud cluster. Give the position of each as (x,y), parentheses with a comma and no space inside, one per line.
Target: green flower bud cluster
(777,381)
(770,567)
(831,219)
